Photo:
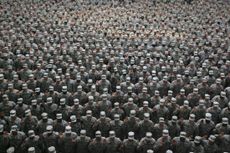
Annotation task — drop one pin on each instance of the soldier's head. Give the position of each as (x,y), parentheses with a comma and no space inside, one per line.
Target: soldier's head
(103,77)
(118,88)
(207,97)
(5,98)
(15,77)
(162,102)
(64,89)
(49,100)
(31,150)
(132,113)
(211,139)
(192,117)
(62,102)
(145,104)
(130,89)
(20,101)
(98,135)
(174,119)
(148,135)
(225,121)
(201,103)
(68,130)
(195,90)
(165,133)
(79,88)
(222,94)
(182,136)
(197,140)
(146,116)
(170,93)
(161,120)
(49,129)
(51,88)
(131,135)
(14,129)
(44,117)
(157,93)
(51,149)
(112,134)
(89,113)
(130,100)
(104,97)
(31,134)
(10,86)
(59,116)
(186,104)
(169,151)
(127,79)
(116,117)
(82,133)
(102,115)
(76,102)
(182,92)
(34,102)
(93,88)
(28,113)
(208,117)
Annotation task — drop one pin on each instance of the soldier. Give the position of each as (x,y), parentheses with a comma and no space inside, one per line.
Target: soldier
(16,138)
(181,97)
(29,122)
(117,126)
(20,108)
(215,110)
(104,105)
(36,109)
(197,145)
(13,120)
(49,138)
(4,139)
(80,95)
(64,109)
(190,126)
(130,144)
(76,109)
(184,111)
(131,123)
(160,110)
(174,127)
(222,128)
(91,105)
(12,93)
(43,123)
(98,144)
(163,143)
(226,112)
(117,110)
(181,144)
(118,95)
(205,125)
(82,142)
(67,140)
(199,110)
(130,105)
(146,143)
(87,123)
(26,94)
(6,105)
(66,95)
(193,98)
(32,141)
(113,144)
(145,109)
(59,124)
(102,124)
(210,145)
(159,127)
(50,108)
(145,125)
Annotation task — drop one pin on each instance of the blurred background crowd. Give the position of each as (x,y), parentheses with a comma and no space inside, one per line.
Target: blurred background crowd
(114,76)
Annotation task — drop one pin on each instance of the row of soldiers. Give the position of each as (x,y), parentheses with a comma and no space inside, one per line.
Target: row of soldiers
(69,142)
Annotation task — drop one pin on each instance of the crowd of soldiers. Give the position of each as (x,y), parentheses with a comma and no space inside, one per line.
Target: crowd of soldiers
(114,76)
